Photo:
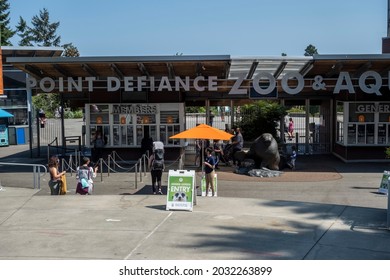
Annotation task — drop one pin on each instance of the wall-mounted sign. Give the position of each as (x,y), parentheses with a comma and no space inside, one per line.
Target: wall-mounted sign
(373,108)
(369,82)
(135,109)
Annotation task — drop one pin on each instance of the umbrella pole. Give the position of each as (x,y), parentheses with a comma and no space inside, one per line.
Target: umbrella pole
(203,156)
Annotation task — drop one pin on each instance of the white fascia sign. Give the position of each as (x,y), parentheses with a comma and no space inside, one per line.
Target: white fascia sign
(210,84)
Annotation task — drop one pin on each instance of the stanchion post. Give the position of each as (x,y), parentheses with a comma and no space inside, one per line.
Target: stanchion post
(135,176)
(140,170)
(34,171)
(144,159)
(101,169)
(109,165)
(39,177)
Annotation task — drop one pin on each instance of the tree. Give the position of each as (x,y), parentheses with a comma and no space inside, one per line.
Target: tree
(6,31)
(23,31)
(43,32)
(70,50)
(264,117)
(310,50)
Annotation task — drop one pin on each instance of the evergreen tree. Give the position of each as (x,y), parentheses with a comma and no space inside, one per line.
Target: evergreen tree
(6,31)
(70,50)
(24,33)
(43,32)
(310,50)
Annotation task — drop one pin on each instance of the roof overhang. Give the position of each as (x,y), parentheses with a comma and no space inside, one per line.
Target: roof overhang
(101,67)
(10,51)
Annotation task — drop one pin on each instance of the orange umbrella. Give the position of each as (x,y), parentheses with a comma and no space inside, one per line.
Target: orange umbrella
(203,131)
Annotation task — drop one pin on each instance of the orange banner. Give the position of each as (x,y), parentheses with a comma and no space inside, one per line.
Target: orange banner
(1,73)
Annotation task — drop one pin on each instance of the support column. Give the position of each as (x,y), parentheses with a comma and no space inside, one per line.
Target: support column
(231,114)
(307,127)
(207,104)
(30,120)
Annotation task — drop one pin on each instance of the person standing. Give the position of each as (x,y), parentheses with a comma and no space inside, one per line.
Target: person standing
(55,176)
(238,144)
(211,118)
(156,166)
(198,148)
(84,176)
(147,143)
(98,145)
(290,129)
(218,151)
(209,165)
(293,157)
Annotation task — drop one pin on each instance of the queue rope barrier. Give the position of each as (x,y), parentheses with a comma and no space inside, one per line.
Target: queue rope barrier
(136,168)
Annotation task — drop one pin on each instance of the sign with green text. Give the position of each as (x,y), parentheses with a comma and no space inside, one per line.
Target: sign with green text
(180,192)
(384,186)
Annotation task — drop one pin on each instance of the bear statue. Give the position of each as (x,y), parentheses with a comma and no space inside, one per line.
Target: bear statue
(264,151)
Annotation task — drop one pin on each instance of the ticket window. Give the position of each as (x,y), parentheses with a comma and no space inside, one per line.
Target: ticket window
(122,132)
(105,129)
(146,125)
(143,130)
(169,127)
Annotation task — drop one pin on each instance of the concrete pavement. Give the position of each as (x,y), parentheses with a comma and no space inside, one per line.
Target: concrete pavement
(331,214)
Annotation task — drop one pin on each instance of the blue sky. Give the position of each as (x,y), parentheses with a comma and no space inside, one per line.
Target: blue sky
(207,27)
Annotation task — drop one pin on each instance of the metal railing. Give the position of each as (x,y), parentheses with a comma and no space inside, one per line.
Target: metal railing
(140,168)
(36,171)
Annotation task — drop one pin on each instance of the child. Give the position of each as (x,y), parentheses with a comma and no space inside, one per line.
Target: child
(293,157)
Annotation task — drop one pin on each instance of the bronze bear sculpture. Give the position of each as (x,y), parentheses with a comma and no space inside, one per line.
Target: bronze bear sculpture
(265,152)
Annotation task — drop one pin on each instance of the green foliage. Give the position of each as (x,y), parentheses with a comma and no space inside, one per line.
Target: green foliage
(50,102)
(195,109)
(6,31)
(24,33)
(68,114)
(47,102)
(44,32)
(297,109)
(387,151)
(310,50)
(78,114)
(70,50)
(262,117)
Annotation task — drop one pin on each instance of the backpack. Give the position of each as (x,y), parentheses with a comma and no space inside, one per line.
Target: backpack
(158,161)
(84,175)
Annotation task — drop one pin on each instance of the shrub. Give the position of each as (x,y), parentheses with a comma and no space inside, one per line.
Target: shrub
(263,117)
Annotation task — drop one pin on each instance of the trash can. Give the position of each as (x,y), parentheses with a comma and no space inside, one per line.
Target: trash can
(20,136)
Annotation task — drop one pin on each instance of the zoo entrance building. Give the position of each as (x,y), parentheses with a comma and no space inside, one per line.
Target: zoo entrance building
(344,99)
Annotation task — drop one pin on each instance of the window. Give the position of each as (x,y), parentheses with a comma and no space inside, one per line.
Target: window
(368,123)
(340,122)
(99,114)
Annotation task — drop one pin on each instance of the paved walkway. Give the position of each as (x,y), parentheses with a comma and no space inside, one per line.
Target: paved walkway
(324,210)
